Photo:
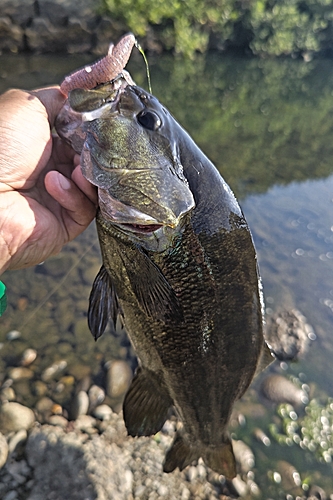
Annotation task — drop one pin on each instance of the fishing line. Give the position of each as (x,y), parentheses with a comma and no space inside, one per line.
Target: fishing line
(140,49)
(55,288)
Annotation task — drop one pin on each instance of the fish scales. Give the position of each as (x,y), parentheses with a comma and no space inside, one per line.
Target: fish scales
(179,268)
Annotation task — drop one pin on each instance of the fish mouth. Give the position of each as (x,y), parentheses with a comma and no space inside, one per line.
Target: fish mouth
(126,217)
(141,228)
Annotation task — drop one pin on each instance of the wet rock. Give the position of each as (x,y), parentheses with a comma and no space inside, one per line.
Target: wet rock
(7,394)
(14,417)
(244,455)
(13,335)
(57,420)
(39,388)
(279,389)
(28,357)
(3,450)
(80,405)
(20,372)
(17,440)
(118,379)
(289,334)
(103,412)
(317,493)
(96,396)
(53,370)
(240,486)
(11,36)
(85,423)
(44,408)
(290,478)
(261,437)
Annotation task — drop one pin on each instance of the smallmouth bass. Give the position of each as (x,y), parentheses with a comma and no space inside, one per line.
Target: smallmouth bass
(179,268)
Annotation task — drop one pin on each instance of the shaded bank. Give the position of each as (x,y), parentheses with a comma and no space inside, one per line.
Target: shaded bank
(271,27)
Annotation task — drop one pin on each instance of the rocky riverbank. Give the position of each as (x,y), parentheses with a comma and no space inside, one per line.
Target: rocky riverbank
(64,26)
(79,449)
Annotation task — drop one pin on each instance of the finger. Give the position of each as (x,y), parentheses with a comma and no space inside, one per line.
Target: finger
(78,211)
(86,187)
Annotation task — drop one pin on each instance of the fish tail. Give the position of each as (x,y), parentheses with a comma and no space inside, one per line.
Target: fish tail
(221,458)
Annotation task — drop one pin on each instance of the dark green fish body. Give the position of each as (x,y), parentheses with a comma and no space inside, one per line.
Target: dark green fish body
(183,278)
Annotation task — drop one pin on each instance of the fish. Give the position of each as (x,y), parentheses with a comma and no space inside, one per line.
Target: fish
(179,271)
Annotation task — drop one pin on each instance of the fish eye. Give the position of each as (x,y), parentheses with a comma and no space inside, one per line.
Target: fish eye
(149,120)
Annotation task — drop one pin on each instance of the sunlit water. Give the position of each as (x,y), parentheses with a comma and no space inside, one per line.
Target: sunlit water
(268,126)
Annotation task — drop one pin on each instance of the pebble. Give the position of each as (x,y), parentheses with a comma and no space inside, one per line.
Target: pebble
(244,455)
(96,396)
(20,372)
(261,437)
(39,388)
(19,438)
(3,450)
(14,417)
(279,389)
(118,378)
(7,394)
(103,412)
(86,423)
(44,405)
(191,473)
(13,335)
(53,370)
(11,495)
(28,357)
(57,420)
(240,486)
(80,405)
(163,490)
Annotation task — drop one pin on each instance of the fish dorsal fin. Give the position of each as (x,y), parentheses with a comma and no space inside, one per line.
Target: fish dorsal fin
(266,358)
(103,304)
(146,404)
(154,293)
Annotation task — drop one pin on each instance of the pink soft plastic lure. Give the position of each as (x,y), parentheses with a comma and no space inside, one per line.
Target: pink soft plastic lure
(102,71)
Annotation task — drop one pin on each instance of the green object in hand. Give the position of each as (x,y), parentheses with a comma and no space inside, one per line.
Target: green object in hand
(3,298)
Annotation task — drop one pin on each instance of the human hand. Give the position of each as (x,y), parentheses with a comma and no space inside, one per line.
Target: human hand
(44,199)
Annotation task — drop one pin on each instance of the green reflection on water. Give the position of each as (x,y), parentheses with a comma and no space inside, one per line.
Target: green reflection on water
(262,123)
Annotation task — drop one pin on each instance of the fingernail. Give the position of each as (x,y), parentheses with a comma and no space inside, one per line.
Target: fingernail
(65,183)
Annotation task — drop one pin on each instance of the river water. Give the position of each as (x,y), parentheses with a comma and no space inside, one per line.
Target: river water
(268,127)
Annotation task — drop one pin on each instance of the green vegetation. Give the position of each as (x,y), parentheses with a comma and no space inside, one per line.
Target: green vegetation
(311,432)
(272,27)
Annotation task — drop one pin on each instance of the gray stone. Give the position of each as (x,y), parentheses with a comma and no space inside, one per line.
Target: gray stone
(279,389)
(103,412)
(119,377)
(3,450)
(14,417)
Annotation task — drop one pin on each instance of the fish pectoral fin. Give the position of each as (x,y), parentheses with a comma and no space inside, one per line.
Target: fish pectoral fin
(154,293)
(266,358)
(146,404)
(220,459)
(103,304)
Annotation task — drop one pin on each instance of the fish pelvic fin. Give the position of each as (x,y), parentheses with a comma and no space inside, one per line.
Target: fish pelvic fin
(180,455)
(146,404)
(103,304)
(220,459)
